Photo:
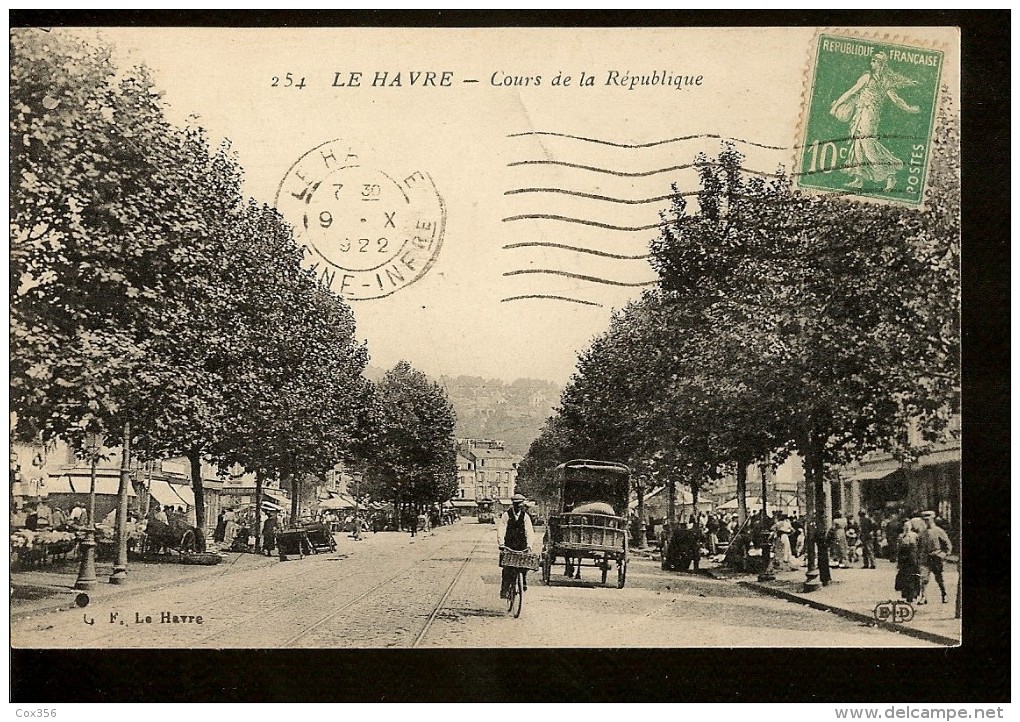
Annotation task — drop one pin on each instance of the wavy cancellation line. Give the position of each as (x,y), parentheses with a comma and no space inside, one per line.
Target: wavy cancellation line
(577,249)
(710,136)
(550,297)
(597,197)
(638,174)
(582,221)
(653,143)
(685,166)
(580,277)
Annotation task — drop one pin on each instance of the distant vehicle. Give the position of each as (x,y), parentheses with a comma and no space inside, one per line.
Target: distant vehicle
(590,524)
(486,511)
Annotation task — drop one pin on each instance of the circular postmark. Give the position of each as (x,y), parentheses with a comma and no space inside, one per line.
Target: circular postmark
(366,233)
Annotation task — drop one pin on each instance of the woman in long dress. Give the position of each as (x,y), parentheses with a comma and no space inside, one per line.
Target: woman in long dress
(908,566)
(868,159)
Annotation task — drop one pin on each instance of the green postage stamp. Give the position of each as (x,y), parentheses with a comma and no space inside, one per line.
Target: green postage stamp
(869,119)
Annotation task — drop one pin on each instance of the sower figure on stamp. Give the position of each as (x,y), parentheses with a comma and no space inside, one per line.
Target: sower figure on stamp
(514,531)
(861,105)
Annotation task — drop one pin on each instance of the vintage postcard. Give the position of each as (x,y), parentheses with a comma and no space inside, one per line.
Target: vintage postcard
(485,337)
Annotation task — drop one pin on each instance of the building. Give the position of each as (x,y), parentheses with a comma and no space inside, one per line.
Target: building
(485,470)
(62,476)
(466,482)
(784,488)
(880,481)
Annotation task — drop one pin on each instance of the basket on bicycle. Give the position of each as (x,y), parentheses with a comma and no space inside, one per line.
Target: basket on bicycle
(518,560)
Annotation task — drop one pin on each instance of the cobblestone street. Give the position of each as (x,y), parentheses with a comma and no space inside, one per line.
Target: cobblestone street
(436,590)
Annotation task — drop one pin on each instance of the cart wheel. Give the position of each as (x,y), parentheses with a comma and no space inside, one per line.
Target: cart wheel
(547,561)
(188,542)
(605,569)
(621,573)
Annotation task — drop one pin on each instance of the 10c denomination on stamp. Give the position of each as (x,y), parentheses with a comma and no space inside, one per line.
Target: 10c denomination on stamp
(869,118)
(367,233)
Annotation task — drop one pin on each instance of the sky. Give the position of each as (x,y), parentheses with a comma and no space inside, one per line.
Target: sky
(539,198)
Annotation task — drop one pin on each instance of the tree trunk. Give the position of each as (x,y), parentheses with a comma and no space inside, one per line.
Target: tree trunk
(120,568)
(195,457)
(258,512)
(295,491)
(695,488)
(742,490)
(814,468)
(671,510)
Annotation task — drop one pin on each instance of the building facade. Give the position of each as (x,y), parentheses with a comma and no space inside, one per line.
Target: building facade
(485,470)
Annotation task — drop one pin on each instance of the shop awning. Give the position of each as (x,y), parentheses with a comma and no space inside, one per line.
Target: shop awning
(79,484)
(337,502)
(276,496)
(162,493)
(868,474)
(185,493)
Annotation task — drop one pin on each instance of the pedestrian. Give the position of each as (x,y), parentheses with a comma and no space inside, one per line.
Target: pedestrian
(712,527)
(933,547)
(839,549)
(44,516)
(163,515)
(782,552)
(221,527)
(797,535)
(77,516)
(269,528)
(893,529)
(908,571)
(414,522)
(868,529)
(58,520)
(229,526)
(514,531)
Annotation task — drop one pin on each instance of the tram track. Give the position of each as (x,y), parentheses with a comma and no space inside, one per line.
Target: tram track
(323,587)
(322,621)
(442,602)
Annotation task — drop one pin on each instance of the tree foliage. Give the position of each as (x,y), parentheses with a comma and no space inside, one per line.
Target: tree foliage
(414,459)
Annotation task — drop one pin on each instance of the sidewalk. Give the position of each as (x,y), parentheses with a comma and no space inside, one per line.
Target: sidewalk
(854,593)
(51,587)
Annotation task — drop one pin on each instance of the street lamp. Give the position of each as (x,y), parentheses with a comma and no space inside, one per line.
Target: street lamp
(87,568)
(357,505)
(766,548)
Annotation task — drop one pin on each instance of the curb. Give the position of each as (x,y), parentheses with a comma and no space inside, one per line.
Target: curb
(68,594)
(849,614)
(839,611)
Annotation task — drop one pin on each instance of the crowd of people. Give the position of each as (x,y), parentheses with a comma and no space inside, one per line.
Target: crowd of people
(917,543)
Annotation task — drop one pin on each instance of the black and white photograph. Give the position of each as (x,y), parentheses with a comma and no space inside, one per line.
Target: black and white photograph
(475,338)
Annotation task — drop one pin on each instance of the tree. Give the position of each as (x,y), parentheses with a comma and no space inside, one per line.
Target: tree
(845,307)
(414,461)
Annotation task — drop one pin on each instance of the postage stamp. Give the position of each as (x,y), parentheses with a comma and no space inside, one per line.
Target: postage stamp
(869,119)
(366,233)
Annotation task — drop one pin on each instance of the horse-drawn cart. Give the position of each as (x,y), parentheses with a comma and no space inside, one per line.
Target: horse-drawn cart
(306,538)
(587,528)
(174,535)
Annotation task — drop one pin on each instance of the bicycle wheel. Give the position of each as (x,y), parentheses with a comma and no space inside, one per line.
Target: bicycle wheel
(517,595)
(511,593)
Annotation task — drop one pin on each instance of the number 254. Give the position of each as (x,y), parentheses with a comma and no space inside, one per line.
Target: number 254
(288,81)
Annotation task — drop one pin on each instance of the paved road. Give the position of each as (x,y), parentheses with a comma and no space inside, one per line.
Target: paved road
(440,590)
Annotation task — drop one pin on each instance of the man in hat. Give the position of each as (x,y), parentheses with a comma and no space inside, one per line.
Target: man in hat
(933,547)
(515,531)
(869,530)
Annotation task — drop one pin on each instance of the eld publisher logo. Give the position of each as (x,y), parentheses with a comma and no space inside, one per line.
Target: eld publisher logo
(896,612)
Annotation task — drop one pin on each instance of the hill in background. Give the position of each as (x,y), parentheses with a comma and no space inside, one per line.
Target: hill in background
(493,409)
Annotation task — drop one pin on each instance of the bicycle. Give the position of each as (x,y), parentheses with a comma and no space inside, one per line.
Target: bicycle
(521,562)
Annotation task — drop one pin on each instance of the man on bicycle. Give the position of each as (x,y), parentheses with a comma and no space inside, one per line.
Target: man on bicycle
(515,531)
